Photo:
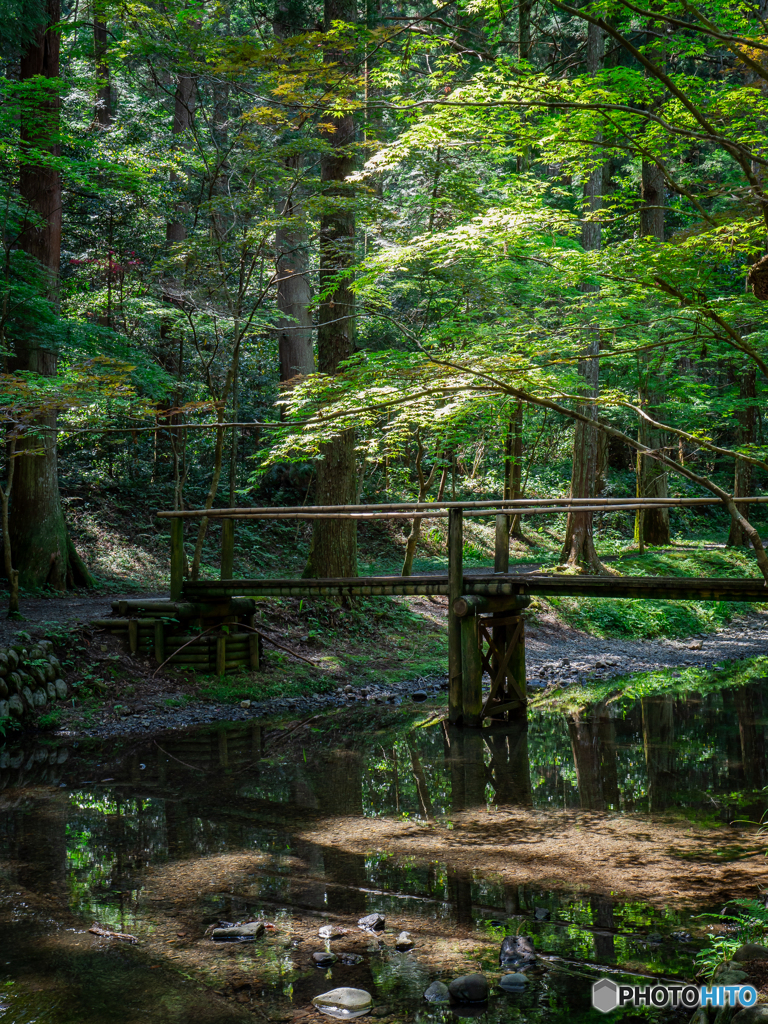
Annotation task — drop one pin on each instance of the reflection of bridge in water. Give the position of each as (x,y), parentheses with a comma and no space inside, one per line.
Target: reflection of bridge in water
(250,819)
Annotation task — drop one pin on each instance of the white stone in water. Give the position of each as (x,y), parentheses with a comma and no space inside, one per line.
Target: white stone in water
(344,1002)
(331,931)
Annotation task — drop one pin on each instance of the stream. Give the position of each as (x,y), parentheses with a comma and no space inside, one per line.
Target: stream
(603,835)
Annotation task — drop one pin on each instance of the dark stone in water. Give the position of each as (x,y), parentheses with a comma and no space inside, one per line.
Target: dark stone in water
(541,913)
(324,959)
(516,949)
(350,959)
(372,923)
(513,982)
(751,951)
(419,696)
(496,924)
(469,988)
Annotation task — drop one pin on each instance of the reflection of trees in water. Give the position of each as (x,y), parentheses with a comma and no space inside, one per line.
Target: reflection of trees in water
(593,745)
(659,747)
(749,708)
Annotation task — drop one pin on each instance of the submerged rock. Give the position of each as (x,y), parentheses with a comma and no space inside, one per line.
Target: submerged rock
(513,982)
(541,913)
(469,988)
(344,1002)
(331,931)
(350,959)
(516,949)
(437,993)
(419,695)
(372,923)
(324,959)
(403,942)
(234,932)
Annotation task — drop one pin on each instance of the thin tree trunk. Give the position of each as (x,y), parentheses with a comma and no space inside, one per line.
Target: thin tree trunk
(11,574)
(513,466)
(424,485)
(742,479)
(333,551)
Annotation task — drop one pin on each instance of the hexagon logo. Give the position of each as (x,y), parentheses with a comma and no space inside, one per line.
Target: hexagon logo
(605,995)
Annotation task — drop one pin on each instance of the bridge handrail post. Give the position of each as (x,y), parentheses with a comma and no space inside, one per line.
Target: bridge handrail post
(501,550)
(455,587)
(177,557)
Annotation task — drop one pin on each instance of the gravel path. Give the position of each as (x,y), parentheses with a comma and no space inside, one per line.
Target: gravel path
(554,653)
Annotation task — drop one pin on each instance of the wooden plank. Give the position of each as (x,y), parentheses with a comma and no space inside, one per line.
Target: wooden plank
(159,640)
(253,652)
(455,589)
(221,655)
(133,636)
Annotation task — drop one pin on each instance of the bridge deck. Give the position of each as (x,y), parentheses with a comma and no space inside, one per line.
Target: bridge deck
(497,584)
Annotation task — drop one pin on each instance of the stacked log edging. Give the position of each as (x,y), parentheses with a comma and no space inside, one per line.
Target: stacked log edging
(204,636)
(30,678)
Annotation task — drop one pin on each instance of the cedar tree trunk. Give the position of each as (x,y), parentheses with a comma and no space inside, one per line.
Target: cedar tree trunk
(333,551)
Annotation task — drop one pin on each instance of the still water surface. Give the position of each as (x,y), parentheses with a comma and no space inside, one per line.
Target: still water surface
(333,820)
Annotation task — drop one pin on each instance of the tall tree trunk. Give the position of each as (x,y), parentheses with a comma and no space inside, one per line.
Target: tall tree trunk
(294,337)
(579,546)
(103,106)
(333,551)
(742,478)
(38,534)
(652,478)
(183,110)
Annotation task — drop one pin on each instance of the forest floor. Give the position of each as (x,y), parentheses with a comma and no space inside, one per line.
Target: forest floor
(383,650)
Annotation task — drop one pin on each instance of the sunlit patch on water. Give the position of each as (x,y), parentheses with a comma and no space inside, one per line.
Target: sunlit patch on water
(602,835)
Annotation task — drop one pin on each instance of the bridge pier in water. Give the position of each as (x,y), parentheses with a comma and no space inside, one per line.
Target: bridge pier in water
(485,634)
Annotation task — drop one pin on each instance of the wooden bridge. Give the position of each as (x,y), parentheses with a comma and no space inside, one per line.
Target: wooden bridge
(485,624)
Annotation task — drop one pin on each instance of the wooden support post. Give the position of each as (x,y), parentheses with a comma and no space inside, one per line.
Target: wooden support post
(177,558)
(227,549)
(455,587)
(517,661)
(221,655)
(159,641)
(133,635)
(471,673)
(501,553)
(253,652)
